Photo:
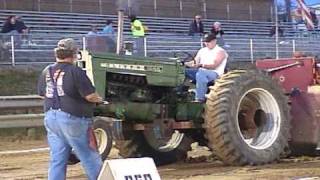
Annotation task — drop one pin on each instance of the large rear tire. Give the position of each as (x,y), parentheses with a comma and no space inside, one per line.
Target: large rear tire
(247,118)
(140,146)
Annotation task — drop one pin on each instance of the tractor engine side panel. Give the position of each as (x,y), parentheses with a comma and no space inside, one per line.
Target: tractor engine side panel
(299,75)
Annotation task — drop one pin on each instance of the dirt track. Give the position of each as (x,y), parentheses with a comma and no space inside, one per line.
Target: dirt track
(34,166)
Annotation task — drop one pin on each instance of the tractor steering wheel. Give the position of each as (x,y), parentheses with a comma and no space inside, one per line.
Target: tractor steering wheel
(183,56)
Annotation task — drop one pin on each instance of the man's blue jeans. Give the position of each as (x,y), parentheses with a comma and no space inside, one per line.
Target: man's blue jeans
(138,46)
(202,77)
(66,132)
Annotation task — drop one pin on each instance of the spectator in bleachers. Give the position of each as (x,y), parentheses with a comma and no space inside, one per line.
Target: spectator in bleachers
(217,30)
(314,18)
(196,26)
(138,33)
(26,35)
(273,31)
(15,26)
(94,30)
(108,29)
(282,39)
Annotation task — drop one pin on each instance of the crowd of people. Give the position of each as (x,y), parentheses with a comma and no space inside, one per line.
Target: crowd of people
(196,28)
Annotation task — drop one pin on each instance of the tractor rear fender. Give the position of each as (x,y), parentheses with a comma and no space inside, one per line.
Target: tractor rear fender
(292,73)
(305,113)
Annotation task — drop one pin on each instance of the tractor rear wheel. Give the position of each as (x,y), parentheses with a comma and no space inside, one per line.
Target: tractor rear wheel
(247,118)
(163,150)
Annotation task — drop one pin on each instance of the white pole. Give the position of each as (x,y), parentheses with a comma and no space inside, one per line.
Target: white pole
(250,11)
(84,47)
(251,50)
(205,9)
(12,51)
(294,45)
(100,6)
(145,46)
(181,8)
(271,12)
(39,5)
(120,31)
(71,5)
(228,10)
(155,7)
(277,28)
(129,7)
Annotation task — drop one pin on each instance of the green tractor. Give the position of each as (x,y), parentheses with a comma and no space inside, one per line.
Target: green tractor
(150,113)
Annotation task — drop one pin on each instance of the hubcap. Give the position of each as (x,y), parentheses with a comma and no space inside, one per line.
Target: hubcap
(259,118)
(162,138)
(102,139)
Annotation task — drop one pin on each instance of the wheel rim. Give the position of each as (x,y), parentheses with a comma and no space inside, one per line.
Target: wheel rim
(102,139)
(259,118)
(163,142)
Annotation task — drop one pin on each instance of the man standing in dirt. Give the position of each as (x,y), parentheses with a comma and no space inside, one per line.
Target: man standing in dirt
(69,101)
(208,65)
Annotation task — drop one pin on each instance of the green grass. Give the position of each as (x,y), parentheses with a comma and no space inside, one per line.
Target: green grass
(18,81)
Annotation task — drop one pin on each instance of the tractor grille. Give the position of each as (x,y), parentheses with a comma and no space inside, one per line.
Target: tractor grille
(129,79)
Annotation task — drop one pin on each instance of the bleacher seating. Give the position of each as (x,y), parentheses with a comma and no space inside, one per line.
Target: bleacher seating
(165,36)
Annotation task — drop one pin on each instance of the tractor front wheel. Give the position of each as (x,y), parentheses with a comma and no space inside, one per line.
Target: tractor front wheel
(165,146)
(103,134)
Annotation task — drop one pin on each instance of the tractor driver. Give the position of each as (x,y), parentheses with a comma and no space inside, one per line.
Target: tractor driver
(208,65)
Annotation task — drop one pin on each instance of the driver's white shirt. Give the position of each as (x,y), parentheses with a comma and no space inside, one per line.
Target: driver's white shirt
(207,56)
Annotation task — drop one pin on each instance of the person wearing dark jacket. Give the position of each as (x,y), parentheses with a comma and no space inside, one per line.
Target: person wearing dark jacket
(314,18)
(15,26)
(9,25)
(196,26)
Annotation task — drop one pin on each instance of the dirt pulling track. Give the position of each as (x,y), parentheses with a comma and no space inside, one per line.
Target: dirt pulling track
(25,166)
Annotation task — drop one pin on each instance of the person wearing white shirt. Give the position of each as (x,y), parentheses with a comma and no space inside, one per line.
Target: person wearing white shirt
(208,65)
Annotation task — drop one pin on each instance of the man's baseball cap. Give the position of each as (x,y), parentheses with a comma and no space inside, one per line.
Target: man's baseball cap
(209,37)
(67,44)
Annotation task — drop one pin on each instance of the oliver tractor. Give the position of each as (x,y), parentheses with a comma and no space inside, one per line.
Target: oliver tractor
(251,116)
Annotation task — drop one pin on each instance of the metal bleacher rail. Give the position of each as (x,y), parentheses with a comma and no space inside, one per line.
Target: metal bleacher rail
(239,48)
(246,40)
